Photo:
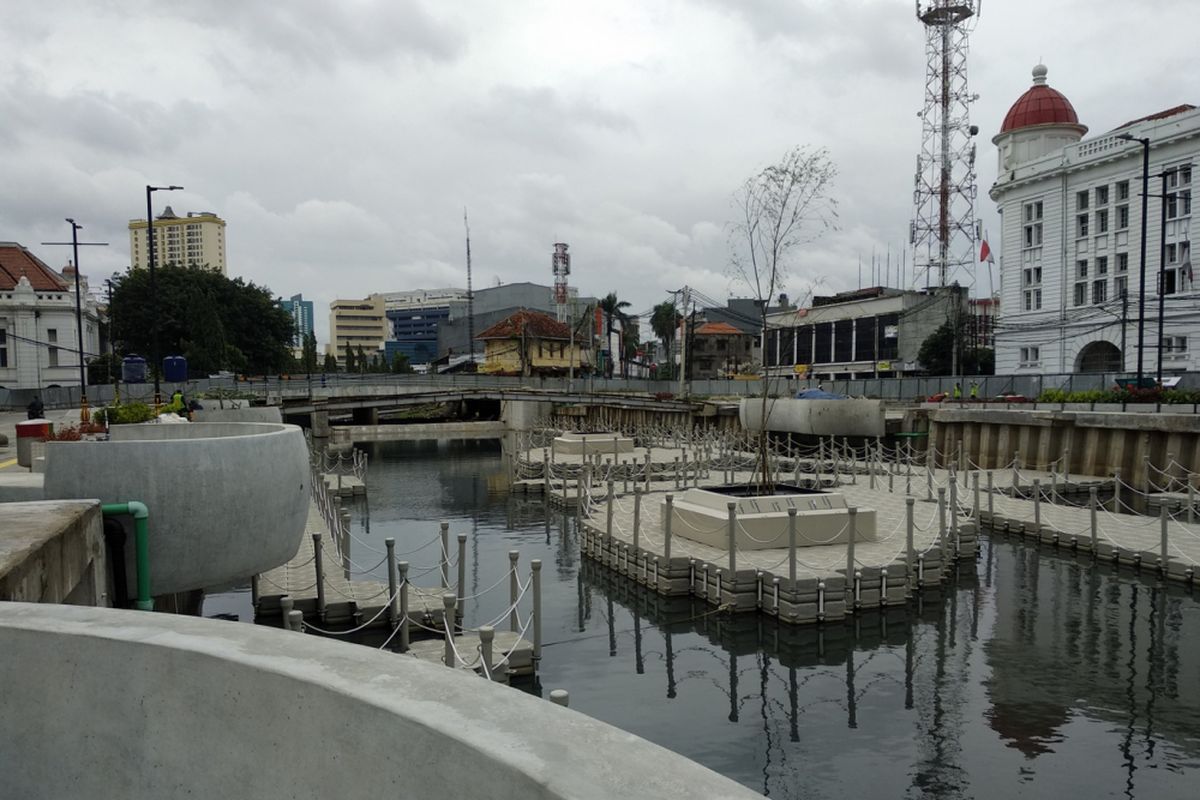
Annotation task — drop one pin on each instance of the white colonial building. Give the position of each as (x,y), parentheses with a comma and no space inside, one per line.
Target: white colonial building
(1071,239)
(38,332)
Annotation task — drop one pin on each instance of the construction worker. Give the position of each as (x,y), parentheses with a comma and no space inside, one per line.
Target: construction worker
(957,392)
(974,390)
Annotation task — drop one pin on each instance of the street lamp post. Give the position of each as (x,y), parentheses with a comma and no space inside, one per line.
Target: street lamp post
(1129,137)
(112,342)
(1162,271)
(154,357)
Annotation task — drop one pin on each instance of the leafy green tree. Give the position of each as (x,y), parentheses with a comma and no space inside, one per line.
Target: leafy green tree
(614,311)
(936,353)
(400,365)
(360,360)
(308,360)
(214,321)
(331,364)
(351,362)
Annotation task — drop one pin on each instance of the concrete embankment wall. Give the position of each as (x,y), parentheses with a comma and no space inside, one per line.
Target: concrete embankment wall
(1093,442)
(169,705)
(345,434)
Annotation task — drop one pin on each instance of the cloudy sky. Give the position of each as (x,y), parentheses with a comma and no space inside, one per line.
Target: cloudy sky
(341,139)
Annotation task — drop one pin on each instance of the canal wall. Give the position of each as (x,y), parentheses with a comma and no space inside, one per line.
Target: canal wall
(53,553)
(1144,447)
(180,705)
(348,434)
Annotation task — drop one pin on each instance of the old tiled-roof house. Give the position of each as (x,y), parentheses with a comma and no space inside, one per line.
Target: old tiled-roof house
(531,343)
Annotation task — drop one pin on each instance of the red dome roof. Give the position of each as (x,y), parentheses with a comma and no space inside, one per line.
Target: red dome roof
(1041,105)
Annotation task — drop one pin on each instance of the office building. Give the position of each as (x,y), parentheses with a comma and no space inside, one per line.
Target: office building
(197,240)
(357,324)
(302,320)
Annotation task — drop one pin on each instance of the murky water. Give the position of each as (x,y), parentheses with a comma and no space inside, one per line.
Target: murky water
(1033,675)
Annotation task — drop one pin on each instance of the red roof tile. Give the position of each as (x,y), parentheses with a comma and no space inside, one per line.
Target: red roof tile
(528,323)
(719,329)
(1170,112)
(16,261)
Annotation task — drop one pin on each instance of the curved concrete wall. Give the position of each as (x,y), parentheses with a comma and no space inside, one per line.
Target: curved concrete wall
(109,703)
(226,499)
(213,413)
(816,417)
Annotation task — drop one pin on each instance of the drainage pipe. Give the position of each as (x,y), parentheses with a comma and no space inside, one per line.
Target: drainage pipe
(141,534)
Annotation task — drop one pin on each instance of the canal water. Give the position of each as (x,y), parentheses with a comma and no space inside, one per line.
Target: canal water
(1033,674)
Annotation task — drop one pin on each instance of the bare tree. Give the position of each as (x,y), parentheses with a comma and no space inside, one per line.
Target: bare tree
(784,207)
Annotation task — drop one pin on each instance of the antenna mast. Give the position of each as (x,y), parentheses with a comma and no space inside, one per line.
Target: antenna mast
(470,296)
(560,262)
(943,231)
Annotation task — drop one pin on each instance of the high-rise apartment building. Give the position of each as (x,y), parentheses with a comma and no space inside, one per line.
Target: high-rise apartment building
(197,240)
(357,323)
(302,319)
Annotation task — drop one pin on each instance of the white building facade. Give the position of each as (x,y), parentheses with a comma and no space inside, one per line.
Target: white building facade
(1070,240)
(38,329)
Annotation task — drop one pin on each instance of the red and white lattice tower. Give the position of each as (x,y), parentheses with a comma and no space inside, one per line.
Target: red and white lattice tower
(943,231)
(561,263)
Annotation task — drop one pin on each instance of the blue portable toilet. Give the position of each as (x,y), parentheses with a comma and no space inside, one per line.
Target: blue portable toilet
(133,369)
(175,369)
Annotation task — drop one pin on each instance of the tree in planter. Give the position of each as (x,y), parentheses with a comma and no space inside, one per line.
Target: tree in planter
(784,207)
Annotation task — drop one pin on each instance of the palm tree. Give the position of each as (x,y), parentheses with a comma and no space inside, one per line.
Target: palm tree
(614,310)
(664,321)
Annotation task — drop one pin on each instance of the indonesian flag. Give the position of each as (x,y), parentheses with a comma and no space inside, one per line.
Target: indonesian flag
(985,253)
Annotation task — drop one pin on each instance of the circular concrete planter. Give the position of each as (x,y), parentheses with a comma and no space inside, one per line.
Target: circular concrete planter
(227,500)
(109,703)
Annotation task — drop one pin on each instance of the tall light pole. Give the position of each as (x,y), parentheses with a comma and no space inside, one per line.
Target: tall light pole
(84,411)
(112,342)
(154,357)
(1162,271)
(1129,137)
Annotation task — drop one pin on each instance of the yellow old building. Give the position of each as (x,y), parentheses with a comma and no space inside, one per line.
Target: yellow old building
(531,343)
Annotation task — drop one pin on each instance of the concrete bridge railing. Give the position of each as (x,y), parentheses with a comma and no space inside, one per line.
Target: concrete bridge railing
(111,703)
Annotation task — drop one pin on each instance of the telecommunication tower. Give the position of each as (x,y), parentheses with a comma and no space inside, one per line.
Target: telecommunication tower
(943,231)
(561,263)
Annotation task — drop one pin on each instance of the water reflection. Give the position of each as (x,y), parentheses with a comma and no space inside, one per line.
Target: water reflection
(1031,673)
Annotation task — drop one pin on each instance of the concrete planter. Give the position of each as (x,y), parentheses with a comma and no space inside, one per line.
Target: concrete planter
(227,500)
(817,417)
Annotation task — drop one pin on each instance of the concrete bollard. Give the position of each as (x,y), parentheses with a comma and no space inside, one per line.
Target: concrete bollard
(296,621)
(667,529)
(962,457)
(909,548)
(487,636)
(991,502)
(448,622)
(1092,503)
(319,570)
(792,547)
(731,541)
(403,567)
(1037,506)
(929,482)
(393,614)
(444,568)
(853,534)
(254,591)
(285,608)
(1191,512)
(637,518)
(975,509)
(1016,473)
(1066,467)
(1164,518)
(647,469)
(676,472)
(1116,491)
(513,590)
(954,509)
(462,571)
(560,697)
(608,525)
(941,504)
(536,567)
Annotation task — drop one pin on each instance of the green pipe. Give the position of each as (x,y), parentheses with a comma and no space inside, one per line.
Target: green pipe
(141,534)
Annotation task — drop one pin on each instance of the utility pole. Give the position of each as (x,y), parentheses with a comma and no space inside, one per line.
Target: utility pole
(470,297)
(74,244)
(686,291)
